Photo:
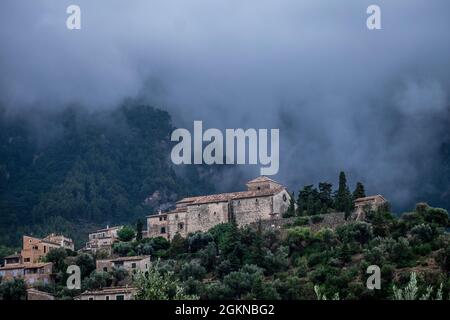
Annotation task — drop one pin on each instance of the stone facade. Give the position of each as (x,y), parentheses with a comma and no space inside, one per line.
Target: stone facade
(131,264)
(33,249)
(112,293)
(102,239)
(362,205)
(30,272)
(63,241)
(264,199)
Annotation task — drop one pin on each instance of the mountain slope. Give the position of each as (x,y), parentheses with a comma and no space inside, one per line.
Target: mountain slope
(73,170)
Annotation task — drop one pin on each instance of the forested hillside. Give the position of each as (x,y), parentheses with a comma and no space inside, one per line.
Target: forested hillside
(72,170)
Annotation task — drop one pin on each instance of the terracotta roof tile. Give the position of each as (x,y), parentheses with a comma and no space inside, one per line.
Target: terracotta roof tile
(369,198)
(261,179)
(223,197)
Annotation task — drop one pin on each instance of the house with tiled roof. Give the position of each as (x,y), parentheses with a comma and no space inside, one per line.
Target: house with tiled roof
(102,239)
(131,264)
(366,204)
(109,293)
(264,199)
(31,273)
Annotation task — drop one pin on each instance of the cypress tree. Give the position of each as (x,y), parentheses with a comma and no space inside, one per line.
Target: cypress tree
(343,198)
(359,191)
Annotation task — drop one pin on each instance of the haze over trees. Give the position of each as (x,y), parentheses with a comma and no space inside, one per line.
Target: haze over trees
(86,170)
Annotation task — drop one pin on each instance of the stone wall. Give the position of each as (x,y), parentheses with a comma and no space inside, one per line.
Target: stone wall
(281,202)
(330,220)
(246,211)
(203,217)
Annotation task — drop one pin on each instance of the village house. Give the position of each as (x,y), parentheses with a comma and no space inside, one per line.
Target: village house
(12,259)
(29,272)
(110,293)
(131,264)
(33,249)
(265,199)
(63,241)
(365,204)
(102,239)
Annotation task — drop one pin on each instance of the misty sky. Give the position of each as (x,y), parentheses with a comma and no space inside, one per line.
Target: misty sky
(372,103)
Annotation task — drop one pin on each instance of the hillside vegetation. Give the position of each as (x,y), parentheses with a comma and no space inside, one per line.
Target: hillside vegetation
(72,171)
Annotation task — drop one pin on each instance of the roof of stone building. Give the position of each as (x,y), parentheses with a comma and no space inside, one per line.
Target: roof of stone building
(262,179)
(25,265)
(189,199)
(106,229)
(133,258)
(12,266)
(36,265)
(15,255)
(224,197)
(56,237)
(370,198)
(110,290)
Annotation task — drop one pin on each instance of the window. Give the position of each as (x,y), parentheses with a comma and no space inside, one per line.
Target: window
(45,249)
(26,260)
(163,230)
(107,298)
(284,197)
(181,225)
(259,188)
(165,218)
(133,265)
(160,218)
(256,200)
(120,297)
(91,298)
(105,269)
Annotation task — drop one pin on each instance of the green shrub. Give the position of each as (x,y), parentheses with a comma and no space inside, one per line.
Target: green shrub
(316,219)
(301,221)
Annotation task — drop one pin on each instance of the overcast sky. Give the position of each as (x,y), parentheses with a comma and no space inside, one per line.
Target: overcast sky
(372,103)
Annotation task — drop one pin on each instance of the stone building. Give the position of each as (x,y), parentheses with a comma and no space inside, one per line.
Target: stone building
(264,199)
(12,259)
(29,272)
(110,293)
(131,264)
(33,249)
(64,242)
(102,239)
(369,203)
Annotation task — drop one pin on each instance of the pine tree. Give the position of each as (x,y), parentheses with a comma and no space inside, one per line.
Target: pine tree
(359,191)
